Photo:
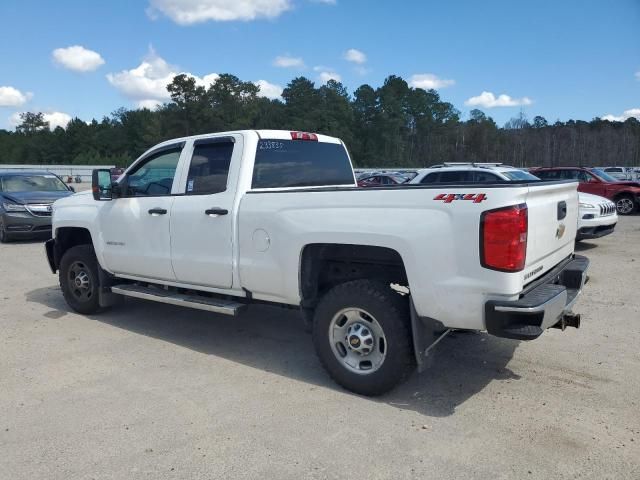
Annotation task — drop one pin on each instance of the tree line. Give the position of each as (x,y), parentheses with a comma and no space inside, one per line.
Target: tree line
(393,125)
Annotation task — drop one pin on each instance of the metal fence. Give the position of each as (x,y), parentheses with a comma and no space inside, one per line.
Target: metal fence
(82,172)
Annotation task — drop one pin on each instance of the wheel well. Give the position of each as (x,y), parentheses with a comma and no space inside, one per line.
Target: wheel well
(67,237)
(619,195)
(326,265)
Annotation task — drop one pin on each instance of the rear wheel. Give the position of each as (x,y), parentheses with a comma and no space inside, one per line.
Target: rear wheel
(361,335)
(626,204)
(78,277)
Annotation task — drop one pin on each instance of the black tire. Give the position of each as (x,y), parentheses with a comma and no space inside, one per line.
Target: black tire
(83,299)
(626,204)
(390,311)
(4,235)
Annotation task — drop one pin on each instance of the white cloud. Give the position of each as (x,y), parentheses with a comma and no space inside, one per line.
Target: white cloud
(326,2)
(355,56)
(325,76)
(189,12)
(269,90)
(489,100)
(77,58)
(147,83)
(55,119)
(631,113)
(285,61)
(637,75)
(12,97)
(429,81)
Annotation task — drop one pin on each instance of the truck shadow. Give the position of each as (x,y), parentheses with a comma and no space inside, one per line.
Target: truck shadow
(585,246)
(273,339)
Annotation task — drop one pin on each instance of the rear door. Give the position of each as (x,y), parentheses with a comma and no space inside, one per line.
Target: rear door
(202,216)
(553,221)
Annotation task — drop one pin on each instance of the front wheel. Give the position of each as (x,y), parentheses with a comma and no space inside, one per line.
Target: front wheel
(361,335)
(79,279)
(4,236)
(626,205)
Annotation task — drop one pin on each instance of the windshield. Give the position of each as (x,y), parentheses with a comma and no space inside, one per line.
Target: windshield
(32,183)
(519,175)
(604,175)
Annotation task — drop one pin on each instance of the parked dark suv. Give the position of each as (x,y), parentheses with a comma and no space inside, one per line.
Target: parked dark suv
(626,195)
(25,203)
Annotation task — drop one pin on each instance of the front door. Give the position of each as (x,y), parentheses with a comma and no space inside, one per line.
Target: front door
(202,217)
(135,226)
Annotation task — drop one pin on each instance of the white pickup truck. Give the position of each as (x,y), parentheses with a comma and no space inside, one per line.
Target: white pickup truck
(217,222)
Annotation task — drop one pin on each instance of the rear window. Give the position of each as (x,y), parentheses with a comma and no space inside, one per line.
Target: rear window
(298,163)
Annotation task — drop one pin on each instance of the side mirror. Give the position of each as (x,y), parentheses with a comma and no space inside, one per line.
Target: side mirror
(101,185)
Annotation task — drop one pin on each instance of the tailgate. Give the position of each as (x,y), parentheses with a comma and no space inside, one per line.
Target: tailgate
(553,221)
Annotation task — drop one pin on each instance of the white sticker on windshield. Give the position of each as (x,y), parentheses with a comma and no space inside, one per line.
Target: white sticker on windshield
(190,186)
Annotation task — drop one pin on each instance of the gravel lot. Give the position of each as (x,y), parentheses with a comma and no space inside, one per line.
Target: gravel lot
(154,391)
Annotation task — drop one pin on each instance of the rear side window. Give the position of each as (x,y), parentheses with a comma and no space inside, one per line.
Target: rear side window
(209,168)
(299,163)
(430,178)
(456,177)
(486,177)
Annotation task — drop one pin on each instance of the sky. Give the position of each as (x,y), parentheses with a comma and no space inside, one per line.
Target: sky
(562,59)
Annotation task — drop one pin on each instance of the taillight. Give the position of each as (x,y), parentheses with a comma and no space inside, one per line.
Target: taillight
(503,238)
(304,136)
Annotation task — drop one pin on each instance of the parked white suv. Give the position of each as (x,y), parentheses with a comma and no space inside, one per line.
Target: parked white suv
(597,216)
(217,222)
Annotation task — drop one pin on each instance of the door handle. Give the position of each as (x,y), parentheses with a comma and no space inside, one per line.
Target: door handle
(157,211)
(216,211)
(562,210)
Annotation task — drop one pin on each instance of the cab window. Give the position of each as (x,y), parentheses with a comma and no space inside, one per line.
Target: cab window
(154,176)
(209,167)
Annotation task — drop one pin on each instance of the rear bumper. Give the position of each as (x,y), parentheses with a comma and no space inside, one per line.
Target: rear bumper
(541,307)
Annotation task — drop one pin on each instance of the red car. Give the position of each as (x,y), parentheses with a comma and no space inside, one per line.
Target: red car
(596,181)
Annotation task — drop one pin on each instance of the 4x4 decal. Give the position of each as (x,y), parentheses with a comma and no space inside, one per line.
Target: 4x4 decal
(450,197)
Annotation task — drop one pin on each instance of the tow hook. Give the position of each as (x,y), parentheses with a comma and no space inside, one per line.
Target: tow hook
(568,320)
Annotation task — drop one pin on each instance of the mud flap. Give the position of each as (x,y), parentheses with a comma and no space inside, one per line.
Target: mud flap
(106,298)
(426,332)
